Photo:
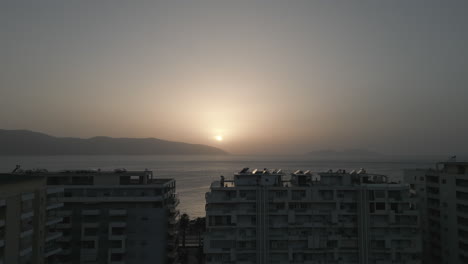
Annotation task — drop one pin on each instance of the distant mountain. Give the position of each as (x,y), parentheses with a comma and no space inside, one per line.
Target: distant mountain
(349,153)
(24,142)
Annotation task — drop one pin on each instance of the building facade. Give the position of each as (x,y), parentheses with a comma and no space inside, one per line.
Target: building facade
(116,217)
(28,220)
(332,217)
(443,194)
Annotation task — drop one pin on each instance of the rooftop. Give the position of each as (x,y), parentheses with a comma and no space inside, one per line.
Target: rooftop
(120,171)
(85,177)
(7,178)
(275,178)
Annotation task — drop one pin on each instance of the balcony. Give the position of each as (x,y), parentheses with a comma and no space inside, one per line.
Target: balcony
(53,236)
(49,251)
(66,251)
(117,250)
(54,190)
(27,215)
(53,220)
(25,251)
(117,224)
(54,206)
(117,237)
(117,212)
(26,233)
(64,225)
(27,196)
(90,212)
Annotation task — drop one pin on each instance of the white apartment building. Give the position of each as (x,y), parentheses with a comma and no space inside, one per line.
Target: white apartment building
(443,194)
(28,220)
(116,216)
(330,217)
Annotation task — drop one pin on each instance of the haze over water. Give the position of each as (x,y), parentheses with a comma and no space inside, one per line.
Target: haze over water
(194,174)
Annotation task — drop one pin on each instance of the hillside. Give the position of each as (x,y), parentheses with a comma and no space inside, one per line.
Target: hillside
(24,142)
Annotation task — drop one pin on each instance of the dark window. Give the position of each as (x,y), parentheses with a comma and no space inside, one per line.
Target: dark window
(380,206)
(462,182)
(461,169)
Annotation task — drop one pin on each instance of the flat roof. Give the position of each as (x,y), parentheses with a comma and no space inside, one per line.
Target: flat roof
(6,178)
(84,172)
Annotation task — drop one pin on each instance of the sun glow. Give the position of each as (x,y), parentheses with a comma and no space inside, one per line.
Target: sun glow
(219,138)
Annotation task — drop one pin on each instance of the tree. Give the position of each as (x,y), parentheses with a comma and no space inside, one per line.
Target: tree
(183,225)
(200,227)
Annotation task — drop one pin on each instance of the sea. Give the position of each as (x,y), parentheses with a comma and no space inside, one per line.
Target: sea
(194,174)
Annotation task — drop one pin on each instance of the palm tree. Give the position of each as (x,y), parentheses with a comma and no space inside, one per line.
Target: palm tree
(200,227)
(183,225)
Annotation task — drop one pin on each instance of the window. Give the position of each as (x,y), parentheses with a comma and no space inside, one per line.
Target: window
(462,182)
(88,244)
(461,169)
(380,206)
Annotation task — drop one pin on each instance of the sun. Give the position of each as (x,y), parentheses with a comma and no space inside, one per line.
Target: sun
(219,138)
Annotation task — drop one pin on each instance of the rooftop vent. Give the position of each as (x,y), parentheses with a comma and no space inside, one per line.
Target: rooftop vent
(362,171)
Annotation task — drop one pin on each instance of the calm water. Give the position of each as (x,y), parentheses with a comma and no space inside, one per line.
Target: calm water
(195,173)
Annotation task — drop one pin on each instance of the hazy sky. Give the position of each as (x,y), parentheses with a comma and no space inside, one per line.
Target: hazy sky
(269,76)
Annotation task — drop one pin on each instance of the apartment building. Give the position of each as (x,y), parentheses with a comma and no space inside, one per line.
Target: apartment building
(28,220)
(116,216)
(331,217)
(443,195)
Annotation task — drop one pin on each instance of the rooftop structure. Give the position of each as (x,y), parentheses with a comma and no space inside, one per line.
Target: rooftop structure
(329,217)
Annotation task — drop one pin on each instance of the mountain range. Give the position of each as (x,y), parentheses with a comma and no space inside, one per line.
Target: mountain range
(25,142)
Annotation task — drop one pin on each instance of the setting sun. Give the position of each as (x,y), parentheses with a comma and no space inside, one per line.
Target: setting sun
(219,138)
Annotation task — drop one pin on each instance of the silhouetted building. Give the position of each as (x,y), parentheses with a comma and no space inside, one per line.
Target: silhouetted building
(28,220)
(443,194)
(116,216)
(333,217)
